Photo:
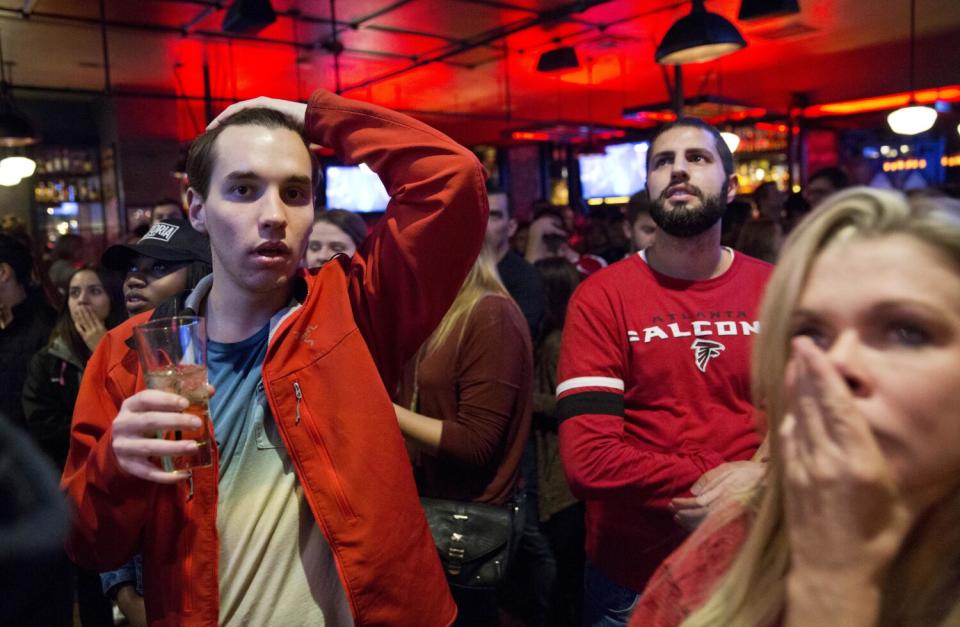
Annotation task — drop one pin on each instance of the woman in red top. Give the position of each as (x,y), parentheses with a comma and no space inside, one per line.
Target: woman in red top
(859,368)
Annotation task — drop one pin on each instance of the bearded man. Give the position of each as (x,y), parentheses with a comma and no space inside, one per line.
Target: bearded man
(657,425)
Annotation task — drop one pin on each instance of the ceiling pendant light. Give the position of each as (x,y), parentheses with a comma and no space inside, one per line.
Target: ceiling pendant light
(24,167)
(15,128)
(732,140)
(8,177)
(913,118)
(698,37)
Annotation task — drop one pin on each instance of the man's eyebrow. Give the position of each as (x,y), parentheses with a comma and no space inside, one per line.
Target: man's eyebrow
(241,174)
(245,175)
(699,151)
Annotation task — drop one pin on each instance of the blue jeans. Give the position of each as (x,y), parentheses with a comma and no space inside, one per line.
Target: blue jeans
(605,603)
(129,573)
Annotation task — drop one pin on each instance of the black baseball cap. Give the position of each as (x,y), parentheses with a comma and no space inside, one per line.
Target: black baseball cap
(169,240)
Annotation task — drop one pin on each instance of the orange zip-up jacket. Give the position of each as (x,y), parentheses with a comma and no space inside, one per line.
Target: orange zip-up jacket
(329,364)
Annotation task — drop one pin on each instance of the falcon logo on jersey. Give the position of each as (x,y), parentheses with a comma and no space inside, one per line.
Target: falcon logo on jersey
(704,351)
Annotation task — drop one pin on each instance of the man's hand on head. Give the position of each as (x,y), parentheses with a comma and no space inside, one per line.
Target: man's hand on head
(296,110)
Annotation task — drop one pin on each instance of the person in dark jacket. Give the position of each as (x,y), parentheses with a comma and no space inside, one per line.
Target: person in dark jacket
(25,323)
(93,305)
(33,525)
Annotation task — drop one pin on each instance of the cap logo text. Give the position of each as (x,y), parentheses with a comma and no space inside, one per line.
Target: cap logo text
(160,231)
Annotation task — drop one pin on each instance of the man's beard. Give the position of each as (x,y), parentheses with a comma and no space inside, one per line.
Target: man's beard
(686,221)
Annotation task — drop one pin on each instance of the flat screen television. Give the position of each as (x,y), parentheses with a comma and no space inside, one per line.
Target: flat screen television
(620,171)
(354,188)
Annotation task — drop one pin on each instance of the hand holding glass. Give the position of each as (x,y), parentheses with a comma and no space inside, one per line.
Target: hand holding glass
(173,355)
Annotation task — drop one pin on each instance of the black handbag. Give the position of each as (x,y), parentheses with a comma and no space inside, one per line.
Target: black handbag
(476,541)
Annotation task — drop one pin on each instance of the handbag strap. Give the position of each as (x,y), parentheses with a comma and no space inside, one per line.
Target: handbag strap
(415,397)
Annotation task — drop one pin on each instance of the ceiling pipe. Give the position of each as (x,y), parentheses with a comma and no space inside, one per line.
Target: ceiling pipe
(74,20)
(104,49)
(146,94)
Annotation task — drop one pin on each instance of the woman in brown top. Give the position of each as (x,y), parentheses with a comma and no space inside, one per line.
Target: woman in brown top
(472,388)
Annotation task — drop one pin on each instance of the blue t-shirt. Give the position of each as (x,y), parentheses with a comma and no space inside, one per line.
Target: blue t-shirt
(238,408)
(275,566)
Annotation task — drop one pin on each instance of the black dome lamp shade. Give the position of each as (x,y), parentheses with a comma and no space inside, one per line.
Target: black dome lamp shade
(16,129)
(698,37)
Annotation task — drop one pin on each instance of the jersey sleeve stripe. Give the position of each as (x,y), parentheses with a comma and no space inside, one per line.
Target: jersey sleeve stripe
(608,403)
(589,382)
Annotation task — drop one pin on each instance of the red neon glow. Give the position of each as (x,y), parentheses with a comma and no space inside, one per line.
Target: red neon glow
(604,70)
(610,134)
(737,116)
(653,116)
(881,103)
(530,136)
(771,127)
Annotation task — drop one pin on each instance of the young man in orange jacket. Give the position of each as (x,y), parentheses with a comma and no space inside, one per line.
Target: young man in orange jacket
(310,513)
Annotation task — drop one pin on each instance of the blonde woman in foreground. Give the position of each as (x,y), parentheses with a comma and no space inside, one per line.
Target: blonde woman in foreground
(858,366)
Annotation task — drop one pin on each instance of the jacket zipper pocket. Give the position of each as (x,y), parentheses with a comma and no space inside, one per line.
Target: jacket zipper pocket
(299,395)
(345,509)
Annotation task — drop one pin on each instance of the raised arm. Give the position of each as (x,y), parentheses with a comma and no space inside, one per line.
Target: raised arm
(409,270)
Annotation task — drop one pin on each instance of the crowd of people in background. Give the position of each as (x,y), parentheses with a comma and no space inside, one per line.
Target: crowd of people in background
(679,447)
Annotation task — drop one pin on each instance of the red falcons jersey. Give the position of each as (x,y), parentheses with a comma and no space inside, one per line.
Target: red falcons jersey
(654,391)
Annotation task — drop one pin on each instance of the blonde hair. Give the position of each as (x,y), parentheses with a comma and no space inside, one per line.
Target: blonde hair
(482,280)
(923,585)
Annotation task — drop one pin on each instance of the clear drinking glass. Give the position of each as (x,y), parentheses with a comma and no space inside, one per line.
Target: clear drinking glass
(173,355)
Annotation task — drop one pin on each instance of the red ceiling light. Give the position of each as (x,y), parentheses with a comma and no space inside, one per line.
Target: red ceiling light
(712,109)
(566,132)
(652,117)
(530,136)
(950,93)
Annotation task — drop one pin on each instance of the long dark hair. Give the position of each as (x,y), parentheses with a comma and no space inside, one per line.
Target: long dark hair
(66,331)
(560,278)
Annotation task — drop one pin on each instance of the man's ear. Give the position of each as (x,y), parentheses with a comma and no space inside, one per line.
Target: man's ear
(511,228)
(6,272)
(195,210)
(732,185)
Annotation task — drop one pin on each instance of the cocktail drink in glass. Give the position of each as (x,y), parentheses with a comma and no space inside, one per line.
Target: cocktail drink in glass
(173,356)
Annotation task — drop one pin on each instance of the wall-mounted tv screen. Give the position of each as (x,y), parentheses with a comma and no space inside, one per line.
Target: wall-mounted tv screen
(620,171)
(355,188)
